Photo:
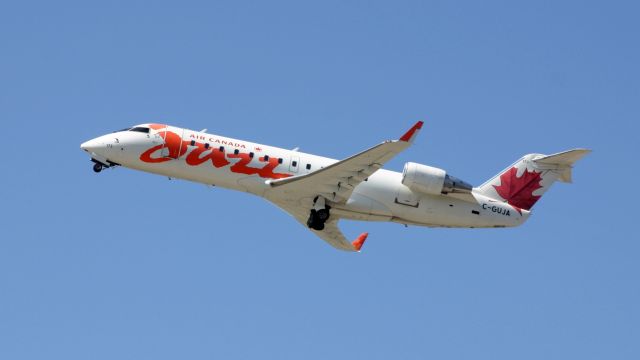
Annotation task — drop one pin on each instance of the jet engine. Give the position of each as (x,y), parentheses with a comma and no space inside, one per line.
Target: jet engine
(430,180)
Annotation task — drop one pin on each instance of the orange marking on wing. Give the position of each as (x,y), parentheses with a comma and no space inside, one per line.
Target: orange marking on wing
(357,243)
(407,136)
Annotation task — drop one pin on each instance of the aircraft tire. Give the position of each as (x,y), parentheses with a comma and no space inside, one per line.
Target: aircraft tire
(311,223)
(314,221)
(322,215)
(97,167)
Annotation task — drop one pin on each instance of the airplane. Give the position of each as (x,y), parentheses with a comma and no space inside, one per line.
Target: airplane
(318,191)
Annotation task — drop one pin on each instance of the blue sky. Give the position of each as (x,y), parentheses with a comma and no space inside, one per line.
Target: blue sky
(130,265)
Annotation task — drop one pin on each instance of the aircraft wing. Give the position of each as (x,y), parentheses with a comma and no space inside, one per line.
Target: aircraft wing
(337,181)
(331,233)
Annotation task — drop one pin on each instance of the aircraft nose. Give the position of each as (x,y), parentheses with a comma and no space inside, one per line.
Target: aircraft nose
(92,146)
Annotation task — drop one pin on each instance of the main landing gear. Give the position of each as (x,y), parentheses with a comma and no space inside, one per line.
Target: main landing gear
(319,214)
(97,167)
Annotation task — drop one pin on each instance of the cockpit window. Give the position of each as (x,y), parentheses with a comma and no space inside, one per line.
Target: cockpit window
(117,131)
(140,129)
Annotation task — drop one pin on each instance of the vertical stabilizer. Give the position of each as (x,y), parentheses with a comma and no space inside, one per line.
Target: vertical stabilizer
(523,183)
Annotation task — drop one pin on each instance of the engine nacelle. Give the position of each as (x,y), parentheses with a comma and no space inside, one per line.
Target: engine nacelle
(430,180)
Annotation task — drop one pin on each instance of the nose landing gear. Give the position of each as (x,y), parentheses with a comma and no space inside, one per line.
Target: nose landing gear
(98,166)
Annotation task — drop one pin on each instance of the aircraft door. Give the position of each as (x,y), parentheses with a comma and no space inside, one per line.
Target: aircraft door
(172,144)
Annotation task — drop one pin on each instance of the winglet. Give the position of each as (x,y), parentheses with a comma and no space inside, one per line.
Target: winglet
(357,243)
(411,134)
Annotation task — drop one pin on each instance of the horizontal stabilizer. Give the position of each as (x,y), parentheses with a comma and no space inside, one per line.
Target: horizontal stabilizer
(563,158)
(562,162)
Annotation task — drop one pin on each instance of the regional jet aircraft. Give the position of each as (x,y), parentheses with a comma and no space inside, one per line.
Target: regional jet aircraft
(318,191)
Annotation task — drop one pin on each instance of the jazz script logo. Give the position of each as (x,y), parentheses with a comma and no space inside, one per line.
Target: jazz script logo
(200,154)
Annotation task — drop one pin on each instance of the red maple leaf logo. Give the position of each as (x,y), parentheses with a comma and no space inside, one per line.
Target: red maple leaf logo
(518,191)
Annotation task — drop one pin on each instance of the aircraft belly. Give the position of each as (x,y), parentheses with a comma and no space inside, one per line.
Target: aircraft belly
(429,210)
(178,169)
(448,211)
(252,184)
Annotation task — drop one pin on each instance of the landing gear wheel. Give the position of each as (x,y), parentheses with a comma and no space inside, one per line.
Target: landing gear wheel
(317,218)
(311,222)
(97,167)
(322,215)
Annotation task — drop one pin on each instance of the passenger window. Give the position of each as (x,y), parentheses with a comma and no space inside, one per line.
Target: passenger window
(236,151)
(251,154)
(266,158)
(308,166)
(221,148)
(279,160)
(294,163)
(193,143)
(206,145)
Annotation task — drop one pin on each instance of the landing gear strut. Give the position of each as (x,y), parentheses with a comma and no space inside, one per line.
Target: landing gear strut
(318,215)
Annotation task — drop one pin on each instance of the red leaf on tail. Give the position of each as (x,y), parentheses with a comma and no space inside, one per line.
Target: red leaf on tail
(518,191)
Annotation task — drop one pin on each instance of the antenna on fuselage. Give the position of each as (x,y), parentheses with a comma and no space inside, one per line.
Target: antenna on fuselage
(204,130)
(295,148)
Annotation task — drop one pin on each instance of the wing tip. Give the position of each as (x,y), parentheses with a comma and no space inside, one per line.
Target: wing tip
(357,243)
(410,135)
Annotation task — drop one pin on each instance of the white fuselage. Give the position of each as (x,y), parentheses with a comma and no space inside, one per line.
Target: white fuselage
(246,166)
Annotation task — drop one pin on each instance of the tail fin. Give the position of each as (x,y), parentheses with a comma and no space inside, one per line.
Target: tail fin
(524,182)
